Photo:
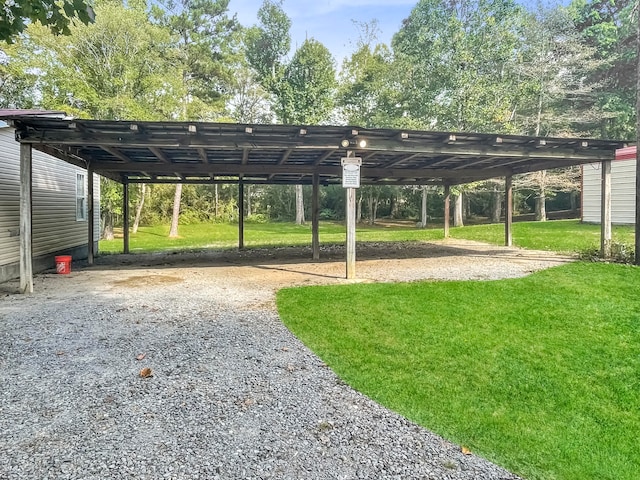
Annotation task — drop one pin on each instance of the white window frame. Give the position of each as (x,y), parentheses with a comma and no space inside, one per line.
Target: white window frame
(81,197)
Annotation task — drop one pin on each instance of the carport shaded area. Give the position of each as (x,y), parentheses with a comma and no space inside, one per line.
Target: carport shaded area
(192,152)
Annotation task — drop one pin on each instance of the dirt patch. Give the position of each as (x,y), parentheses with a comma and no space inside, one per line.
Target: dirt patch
(254,275)
(142,281)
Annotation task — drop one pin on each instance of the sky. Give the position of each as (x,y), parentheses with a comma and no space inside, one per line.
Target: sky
(331,21)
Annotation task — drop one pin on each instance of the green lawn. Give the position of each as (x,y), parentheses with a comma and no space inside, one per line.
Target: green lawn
(560,235)
(539,374)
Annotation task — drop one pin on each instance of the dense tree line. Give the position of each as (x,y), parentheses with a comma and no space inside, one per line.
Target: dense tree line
(490,66)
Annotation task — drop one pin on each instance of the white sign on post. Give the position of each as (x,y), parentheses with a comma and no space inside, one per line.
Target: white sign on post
(351,172)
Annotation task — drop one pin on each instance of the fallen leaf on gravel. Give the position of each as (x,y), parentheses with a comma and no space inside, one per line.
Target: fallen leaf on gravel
(465,450)
(141,356)
(146,372)
(60,353)
(290,368)
(284,349)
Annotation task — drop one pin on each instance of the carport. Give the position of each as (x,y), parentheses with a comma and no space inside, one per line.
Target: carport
(208,153)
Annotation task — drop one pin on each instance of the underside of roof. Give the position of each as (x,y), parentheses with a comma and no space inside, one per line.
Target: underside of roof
(191,152)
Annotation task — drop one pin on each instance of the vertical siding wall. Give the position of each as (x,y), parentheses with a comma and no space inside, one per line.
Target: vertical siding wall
(623,192)
(55,227)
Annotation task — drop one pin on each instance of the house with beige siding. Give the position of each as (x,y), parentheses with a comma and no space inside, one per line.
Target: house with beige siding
(623,189)
(59,210)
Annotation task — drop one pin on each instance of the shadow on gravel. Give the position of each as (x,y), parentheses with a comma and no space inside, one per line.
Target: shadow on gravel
(302,254)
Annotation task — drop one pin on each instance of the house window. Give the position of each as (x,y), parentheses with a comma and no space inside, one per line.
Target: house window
(81,198)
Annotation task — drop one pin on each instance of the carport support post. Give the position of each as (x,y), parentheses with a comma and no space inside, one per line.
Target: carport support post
(240,215)
(315,214)
(605,210)
(125,211)
(26,253)
(508,210)
(90,213)
(351,233)
(447,210)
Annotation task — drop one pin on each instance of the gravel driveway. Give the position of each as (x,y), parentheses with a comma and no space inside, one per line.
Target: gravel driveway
(233,394)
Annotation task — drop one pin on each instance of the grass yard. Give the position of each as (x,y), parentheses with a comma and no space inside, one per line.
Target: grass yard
(559,235)
(225,235)
(539,374)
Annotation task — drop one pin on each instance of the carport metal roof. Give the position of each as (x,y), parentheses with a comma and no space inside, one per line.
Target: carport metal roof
(192,152)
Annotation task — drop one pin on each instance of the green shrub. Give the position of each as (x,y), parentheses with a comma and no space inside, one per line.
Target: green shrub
(620,253)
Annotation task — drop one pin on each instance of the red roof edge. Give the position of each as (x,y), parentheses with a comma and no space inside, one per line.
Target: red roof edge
(627,153)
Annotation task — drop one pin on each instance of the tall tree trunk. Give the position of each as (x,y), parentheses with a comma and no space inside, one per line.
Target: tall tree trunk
(107,230)
(395,204)
(359,209)
(541,212)
(376,202)
(423,216)
(539,115)
(136,220)
(496,205)
(299,205)
(541,200)
(216,200)
(173,232)
(573,198)
(249,201)
(457,212)
(370,205)
(541,208)
(466,212)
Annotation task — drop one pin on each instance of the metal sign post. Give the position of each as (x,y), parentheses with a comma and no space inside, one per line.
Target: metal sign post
(351,181)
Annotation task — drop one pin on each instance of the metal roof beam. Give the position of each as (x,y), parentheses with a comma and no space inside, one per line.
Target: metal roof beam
(116,153)
(159,154)
(324,156)
(253,169)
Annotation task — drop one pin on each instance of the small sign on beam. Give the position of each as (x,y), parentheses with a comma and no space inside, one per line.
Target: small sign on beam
(351,171)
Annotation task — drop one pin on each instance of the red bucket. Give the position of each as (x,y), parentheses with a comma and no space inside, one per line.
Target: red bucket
(63,264)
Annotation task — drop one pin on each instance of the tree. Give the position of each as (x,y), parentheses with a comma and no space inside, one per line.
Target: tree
(423,207)
(249,101)
(368,86)
(268,44)
(120,67)
(173,231)
(557,71)
(206,41)
(305,95)
(608,27)
(142,194)
(458,220)
(457,61)
(16,80)
(301,90)
(55,15)
(496,200)
(547,182)
(560,96)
